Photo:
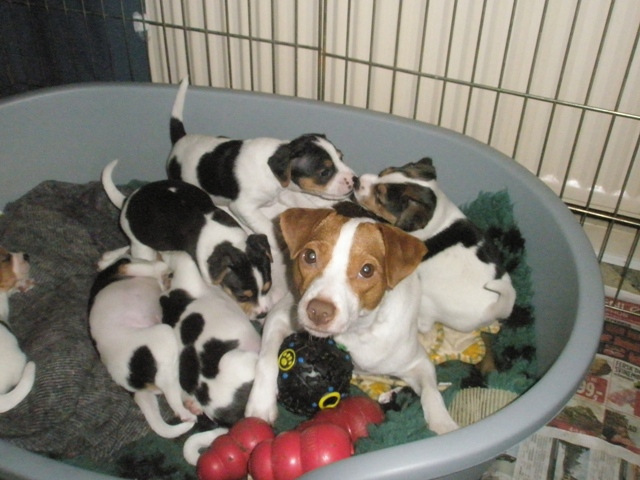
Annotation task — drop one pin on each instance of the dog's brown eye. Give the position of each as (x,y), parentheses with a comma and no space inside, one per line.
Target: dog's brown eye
(309,256)
(367,270)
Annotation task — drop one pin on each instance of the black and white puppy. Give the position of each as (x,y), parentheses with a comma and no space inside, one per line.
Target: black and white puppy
(139,351)
(249,175)
(172,215)
(219,345)
(464,285)
(17,374)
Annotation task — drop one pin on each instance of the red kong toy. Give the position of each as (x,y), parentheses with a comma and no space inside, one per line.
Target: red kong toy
(296,452)
(228,455)
(353,414)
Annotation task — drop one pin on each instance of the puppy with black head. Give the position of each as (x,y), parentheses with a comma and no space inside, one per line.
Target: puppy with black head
(17,374)
(465,287)
(138,350)
(172,215)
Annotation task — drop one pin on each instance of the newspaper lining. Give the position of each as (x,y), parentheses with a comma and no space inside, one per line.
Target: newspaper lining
(596,436)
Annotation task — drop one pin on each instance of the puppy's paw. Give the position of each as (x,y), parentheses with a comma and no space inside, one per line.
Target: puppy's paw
(442,425)
(109,258)
(163,274)
(193,406)
(262,408)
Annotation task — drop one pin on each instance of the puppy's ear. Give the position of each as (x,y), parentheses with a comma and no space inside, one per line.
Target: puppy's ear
(421,204)
(258,247)
(280,164)
(298,224)
(224,257)
(403,253)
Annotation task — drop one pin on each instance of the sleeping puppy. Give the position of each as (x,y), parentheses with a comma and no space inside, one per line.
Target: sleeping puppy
(219,345)
(354,280)
(250,175)
(171,215)
(139,351)
(17,375)
(464,286)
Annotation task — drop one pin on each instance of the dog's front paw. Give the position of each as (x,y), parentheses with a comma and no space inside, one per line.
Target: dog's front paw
(261,408)
(193,406)
(443,425)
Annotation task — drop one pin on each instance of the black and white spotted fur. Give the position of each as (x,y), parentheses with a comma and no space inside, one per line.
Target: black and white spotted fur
(219,345)
(465,287)
(172,215)
(139,351)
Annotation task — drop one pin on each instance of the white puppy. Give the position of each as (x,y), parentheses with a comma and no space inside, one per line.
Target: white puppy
(140,353)
(17,375)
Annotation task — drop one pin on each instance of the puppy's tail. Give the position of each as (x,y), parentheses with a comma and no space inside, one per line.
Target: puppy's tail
(199,441)
(21,390)
(176,126)
(115,195)
(148,403)
(502,308)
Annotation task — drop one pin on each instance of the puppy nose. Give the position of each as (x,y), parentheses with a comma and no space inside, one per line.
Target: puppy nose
(25,256)
(356,183)
(320,312)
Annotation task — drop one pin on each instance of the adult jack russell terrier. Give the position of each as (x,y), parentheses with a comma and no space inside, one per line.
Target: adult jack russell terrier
(171,215)
(139,351)
(464,285)
(355,280)
(17,375)
(218,344)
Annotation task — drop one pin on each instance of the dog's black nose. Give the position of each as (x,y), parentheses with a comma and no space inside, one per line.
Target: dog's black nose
(356,183)
(261,315)
(26,257)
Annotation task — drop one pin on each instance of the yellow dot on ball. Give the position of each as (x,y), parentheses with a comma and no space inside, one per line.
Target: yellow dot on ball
(287,360)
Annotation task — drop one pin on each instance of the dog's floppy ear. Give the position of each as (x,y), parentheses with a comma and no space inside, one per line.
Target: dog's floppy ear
(258,247)
(224,257)
(298,224)
(280,164)
(421,204)
(403,253)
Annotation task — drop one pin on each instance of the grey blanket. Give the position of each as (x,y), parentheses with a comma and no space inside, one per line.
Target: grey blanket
(74,408)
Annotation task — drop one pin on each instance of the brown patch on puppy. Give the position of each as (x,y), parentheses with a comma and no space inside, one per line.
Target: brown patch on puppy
(376,202)
(8,278)
(311,185)
(423,169)
(311,235)
(381,255)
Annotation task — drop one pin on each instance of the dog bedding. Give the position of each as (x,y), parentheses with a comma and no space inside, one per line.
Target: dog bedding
(77,414)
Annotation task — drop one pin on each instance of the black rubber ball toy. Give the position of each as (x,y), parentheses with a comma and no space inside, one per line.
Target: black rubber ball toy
(315,373)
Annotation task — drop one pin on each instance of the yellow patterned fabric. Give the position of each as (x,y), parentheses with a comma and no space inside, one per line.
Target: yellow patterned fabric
(444,344)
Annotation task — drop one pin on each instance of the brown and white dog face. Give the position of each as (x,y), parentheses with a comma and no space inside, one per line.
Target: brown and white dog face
(405,196)
(343,267)
(14,271)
